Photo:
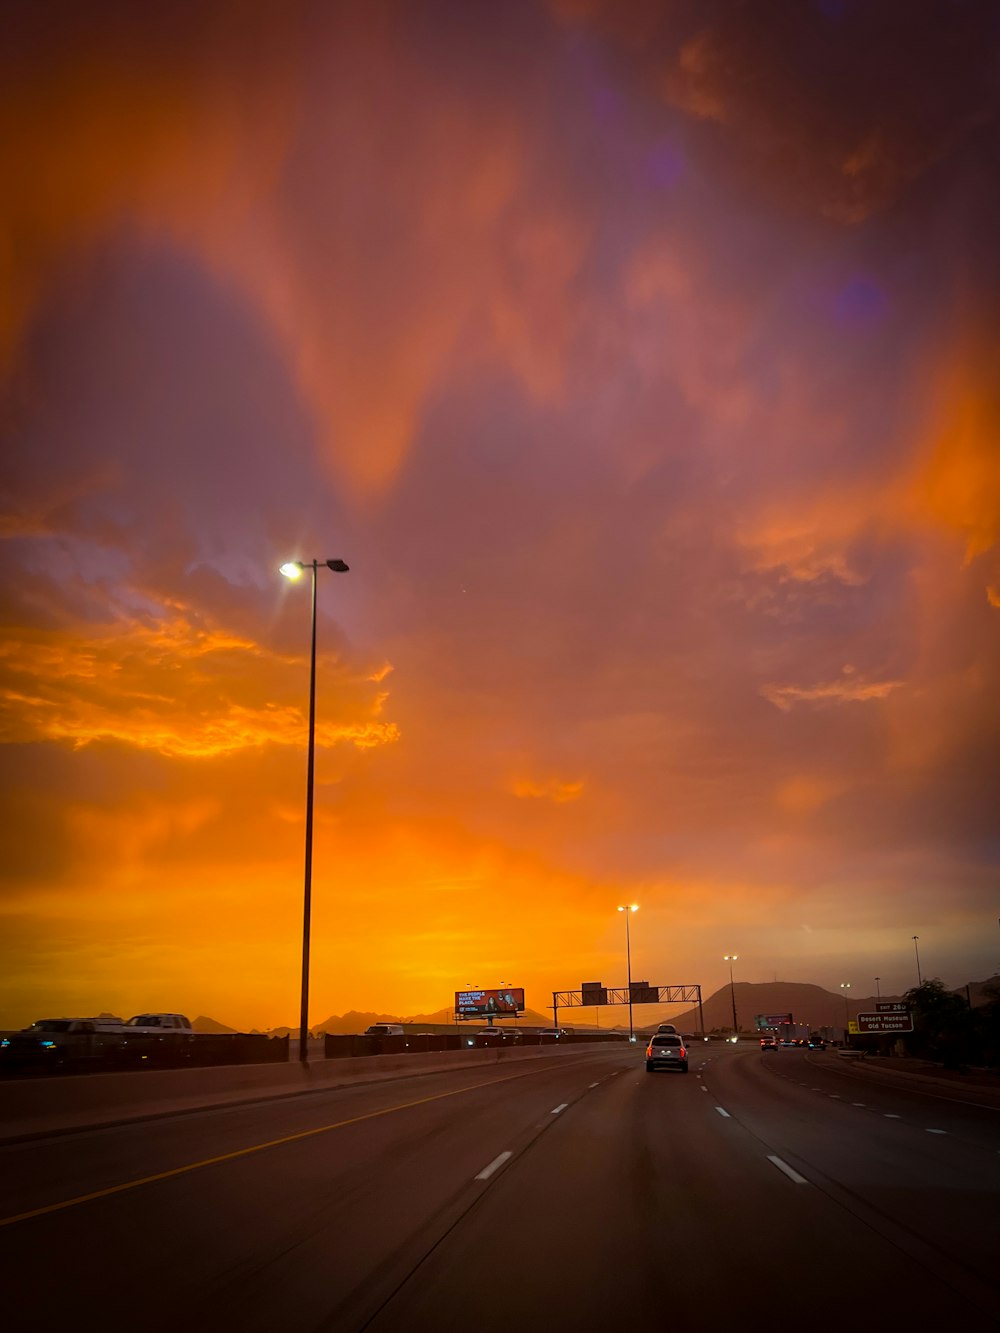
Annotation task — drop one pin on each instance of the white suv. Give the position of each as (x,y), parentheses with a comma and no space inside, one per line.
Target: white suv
(666,1051)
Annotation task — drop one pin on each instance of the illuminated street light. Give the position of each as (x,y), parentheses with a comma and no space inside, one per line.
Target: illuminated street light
(632,907)
(731,958)
(294,569)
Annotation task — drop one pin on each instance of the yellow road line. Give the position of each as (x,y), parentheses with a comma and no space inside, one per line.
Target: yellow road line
(245,1152)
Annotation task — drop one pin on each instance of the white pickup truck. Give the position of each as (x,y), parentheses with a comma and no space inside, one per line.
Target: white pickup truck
(158,1025)
(55,1041)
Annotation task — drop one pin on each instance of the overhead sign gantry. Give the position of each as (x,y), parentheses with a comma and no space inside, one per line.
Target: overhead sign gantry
(638,992)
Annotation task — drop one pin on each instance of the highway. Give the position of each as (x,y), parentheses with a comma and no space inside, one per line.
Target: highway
(572,1192)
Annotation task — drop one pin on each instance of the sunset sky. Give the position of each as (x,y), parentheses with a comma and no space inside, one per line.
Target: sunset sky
(642,360)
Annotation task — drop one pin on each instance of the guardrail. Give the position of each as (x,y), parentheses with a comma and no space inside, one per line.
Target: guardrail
(337,1047)
(35,1107)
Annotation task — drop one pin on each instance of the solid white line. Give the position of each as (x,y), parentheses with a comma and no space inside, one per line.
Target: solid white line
(723,1112)
(792,1175)
(561,1107)
(937,1131)
(497,1162)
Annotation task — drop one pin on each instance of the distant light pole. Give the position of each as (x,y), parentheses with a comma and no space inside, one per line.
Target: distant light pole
(632,907)
(294,569)
(920,980)
(878,992)
(731,958)
(845,986)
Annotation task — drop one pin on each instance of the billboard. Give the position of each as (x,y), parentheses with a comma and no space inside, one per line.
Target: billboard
(766,1021)
(490,1003)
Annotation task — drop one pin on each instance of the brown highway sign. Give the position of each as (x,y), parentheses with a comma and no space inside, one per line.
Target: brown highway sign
(885,1022)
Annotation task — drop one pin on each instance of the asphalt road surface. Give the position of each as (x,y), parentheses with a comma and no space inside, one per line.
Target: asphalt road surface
(576,1192)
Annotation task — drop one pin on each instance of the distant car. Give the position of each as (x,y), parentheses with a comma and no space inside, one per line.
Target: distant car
(787,1043)
(667,1027)
(768,1044)
(817,1044)
(666,1051)
(384,1030)
(553,1034)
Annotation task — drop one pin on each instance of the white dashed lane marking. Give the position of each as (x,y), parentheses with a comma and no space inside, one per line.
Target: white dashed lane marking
(792,1175)
(891,1115)
(593,1085)
(724,1112)
(495,1165)
(937,1131)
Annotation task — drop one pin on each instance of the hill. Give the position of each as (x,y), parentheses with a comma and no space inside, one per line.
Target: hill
(806,1003)
(203,1024)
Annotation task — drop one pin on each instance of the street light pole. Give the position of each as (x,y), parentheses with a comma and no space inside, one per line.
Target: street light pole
(294,569)
(878,990)
(845,986)
(731,958)
(920,980)
(632,907)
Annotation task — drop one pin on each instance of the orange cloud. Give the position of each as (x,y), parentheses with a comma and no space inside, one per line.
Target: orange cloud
(173,686)
(958,482)
(844,690)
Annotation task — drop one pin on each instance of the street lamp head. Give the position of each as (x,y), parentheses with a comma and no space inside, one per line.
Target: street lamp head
(294,569)
(632,907)
(730,957)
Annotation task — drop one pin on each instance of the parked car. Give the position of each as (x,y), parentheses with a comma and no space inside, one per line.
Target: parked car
(666,1051)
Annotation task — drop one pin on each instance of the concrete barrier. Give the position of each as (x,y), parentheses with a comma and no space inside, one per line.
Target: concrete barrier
(34,1107)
